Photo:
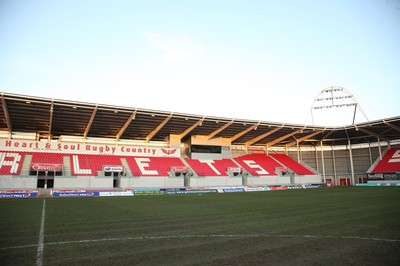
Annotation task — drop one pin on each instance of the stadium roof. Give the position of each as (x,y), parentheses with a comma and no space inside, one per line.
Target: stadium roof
(52,118)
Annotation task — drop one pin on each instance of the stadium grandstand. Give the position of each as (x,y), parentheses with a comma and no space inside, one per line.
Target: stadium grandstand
(52,144)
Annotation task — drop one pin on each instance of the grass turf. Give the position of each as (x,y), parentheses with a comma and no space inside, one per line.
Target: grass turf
(334,226)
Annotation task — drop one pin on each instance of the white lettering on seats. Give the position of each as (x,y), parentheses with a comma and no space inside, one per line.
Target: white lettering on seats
(142,163)
(254,165)
(395,157)
(14,163)
(210,164)
(77,169)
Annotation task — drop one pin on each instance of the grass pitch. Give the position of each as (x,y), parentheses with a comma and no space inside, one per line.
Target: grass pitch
(331,226)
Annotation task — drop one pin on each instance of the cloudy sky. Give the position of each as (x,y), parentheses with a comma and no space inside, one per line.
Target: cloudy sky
(255,59)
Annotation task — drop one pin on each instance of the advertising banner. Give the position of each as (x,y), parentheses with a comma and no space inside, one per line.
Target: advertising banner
(113,168)
(235,169)
(179,169)
(194,191)
(232,189)
(173,189)
(85,148)
(76,193)
(375,176)
(294,187)
(254,189)
(116,193)
(46,167)
(312,186)
(390,176)
(382,176)
(278,188)
(149,193)
(21,194)
(378,185)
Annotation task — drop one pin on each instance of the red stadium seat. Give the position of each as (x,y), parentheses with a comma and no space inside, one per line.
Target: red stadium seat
(84,164)
(152,166)
(11,162)
(211,167)
(292,164)
(258,164)
(390,162)
(45,157)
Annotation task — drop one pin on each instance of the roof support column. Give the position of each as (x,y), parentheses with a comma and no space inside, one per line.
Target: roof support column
(334,167)
(379,148)
(51,119)
(353,179)
(370,153)
(316,158)
(298,151)
(323,163)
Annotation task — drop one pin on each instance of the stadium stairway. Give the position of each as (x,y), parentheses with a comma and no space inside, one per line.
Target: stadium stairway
(314,171)
(66,166)
(26,165)
(245,173)
(190,169)
(125,164)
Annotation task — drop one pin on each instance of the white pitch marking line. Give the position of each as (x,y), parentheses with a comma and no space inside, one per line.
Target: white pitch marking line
(196,236)
(39,255)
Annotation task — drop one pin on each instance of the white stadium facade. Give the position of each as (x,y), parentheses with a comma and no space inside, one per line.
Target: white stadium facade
(52,144)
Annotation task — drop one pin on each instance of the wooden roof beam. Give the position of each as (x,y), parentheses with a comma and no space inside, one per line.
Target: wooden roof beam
(51,119)
(372,134)
(252,141)
(90,122)
(303,138)
(219,129)
(187,131)
(238,135)
(158,128)
(6,115)
(392,126)
(125,126)
(271,143)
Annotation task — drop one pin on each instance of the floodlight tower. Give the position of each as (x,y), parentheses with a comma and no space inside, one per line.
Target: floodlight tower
(336,100)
